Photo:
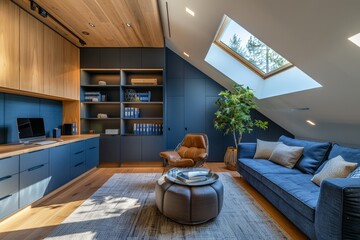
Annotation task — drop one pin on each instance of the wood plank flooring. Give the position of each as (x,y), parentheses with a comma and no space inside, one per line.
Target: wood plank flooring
(36,222)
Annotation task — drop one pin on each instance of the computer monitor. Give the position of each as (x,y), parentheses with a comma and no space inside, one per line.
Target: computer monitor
(30,129)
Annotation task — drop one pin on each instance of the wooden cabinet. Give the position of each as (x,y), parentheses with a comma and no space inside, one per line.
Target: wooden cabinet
(53,63)
(31,54)
(9,45)
(71,71)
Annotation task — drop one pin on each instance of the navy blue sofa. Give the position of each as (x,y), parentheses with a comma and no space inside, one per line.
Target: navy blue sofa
(331,211)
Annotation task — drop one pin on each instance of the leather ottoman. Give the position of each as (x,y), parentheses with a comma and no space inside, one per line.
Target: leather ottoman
(189,204)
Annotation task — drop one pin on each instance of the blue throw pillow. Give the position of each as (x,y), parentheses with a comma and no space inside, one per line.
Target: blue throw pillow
(348,153)
(315,153)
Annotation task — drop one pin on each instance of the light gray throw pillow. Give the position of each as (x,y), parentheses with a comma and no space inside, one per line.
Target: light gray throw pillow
(264,149)
(336,167)
(286,156)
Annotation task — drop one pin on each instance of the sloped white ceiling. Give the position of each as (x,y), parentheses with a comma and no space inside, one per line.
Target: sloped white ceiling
(312,34)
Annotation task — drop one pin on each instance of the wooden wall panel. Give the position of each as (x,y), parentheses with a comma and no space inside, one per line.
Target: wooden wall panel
(31,54)
(71,71)
(53,63)
(71,113)
(9,45)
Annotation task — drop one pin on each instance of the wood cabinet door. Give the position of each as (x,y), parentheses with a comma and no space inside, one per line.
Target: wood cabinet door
(9,45)
(53,63)
(71,71)
(31,54)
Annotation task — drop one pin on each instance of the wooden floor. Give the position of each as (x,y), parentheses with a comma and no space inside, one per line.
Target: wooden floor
(36,222)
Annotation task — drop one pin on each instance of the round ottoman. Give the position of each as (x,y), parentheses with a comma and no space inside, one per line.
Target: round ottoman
(189,204)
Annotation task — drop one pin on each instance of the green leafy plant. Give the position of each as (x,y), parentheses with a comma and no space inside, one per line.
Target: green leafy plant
(233,114)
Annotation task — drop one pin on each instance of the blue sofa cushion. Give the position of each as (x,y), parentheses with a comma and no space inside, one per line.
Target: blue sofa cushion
(348,153)
(296,189)
(258,167)
(315,153)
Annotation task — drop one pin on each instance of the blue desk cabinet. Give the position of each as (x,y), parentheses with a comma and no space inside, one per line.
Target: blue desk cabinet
(131,148)
(151,146)
(59,166)
(91,153)
(77,159)
(9,185)
(110,148)
(34,176)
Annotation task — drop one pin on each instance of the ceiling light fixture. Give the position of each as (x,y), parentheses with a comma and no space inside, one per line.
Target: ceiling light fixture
(355,39)
(91,24)
(311,122)
(189,11)
(128,24)
(186,54)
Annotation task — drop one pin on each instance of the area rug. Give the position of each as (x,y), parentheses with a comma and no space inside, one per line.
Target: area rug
(124,208)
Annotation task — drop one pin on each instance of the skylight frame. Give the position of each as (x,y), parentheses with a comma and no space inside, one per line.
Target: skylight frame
(240,58)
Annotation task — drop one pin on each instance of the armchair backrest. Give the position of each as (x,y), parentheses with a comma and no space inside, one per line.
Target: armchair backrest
(194,146)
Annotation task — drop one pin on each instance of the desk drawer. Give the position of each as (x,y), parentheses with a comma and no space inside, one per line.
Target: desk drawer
(9,184)
(77,147)
(9,204)
(9,166)
(34,159)
(33,184)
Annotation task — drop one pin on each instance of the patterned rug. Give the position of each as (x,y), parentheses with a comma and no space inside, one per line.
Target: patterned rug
(124,208)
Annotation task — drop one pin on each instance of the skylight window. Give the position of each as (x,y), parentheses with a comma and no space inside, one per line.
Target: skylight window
(245,47)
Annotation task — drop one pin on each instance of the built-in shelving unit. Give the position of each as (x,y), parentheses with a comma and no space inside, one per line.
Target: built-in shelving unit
(136,83)
(107,106)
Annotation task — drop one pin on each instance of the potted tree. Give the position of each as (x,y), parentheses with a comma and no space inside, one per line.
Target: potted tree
(233,116)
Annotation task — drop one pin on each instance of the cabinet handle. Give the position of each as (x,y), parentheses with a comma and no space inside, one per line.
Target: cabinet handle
(36,167)
(5,197)
(76,165)
(185,129)
(4,178)
(92,148)
(78,152)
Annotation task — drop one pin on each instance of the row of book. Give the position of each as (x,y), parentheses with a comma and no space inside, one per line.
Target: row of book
(92,97)
(131,112)
(148,128)
(193,176)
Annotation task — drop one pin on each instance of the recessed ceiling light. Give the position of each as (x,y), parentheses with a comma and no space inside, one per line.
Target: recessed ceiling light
(85,33)
(128,24)
(355,39)
(311,122)
(186,54)
(189,11)
(91,24)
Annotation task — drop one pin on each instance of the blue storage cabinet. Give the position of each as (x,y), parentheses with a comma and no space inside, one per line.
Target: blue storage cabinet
(77,159)
(9,185)
(92,153)
(34,176)
(59,165)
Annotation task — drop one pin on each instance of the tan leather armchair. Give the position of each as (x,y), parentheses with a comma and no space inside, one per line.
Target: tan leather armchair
(191,152)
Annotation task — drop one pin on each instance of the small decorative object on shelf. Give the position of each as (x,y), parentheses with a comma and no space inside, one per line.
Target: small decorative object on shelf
(102,83)
(112,131)
(144,81)
(130,94)
(147,128)
(103,97)
(102,115)
(131,112)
